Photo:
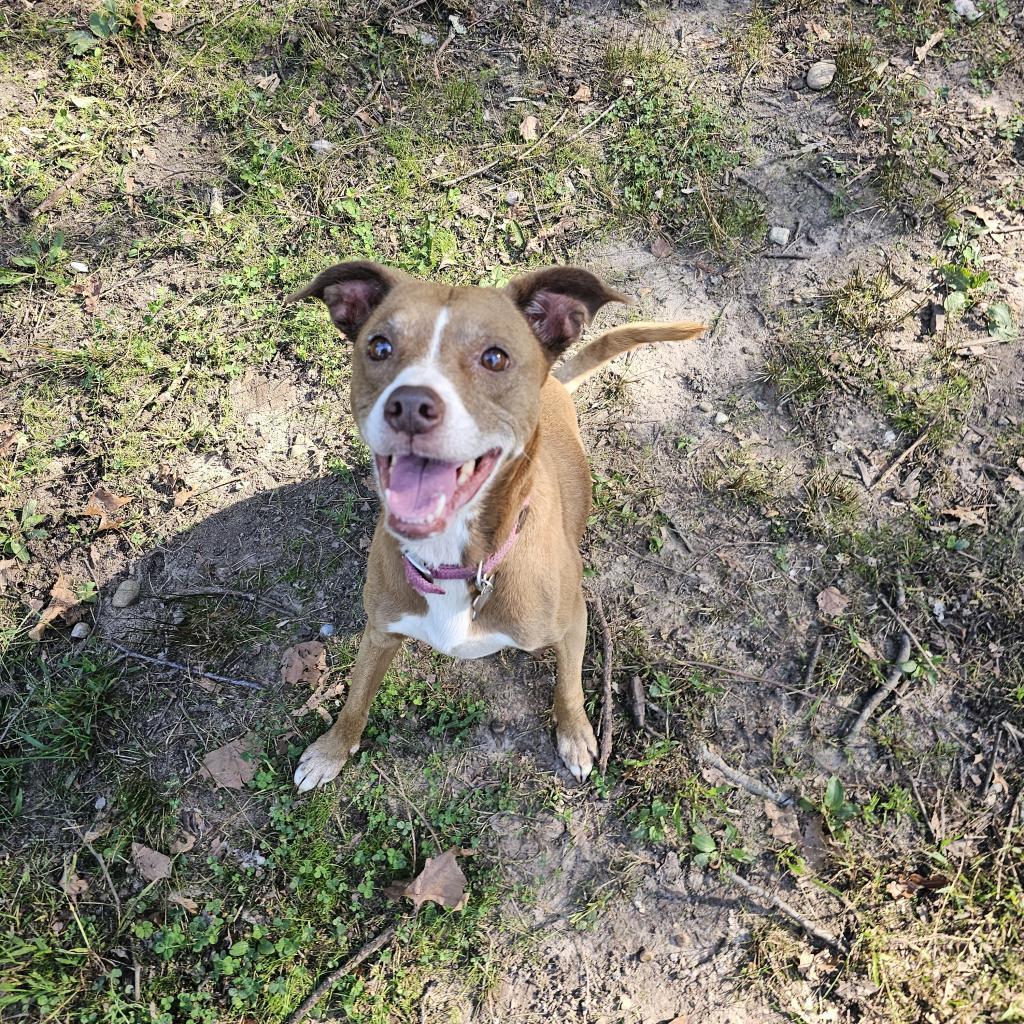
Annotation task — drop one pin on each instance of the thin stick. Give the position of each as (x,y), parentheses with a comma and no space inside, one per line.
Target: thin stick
(373,946)
(187,669)
(824,188)
(106,874)
(401,789)
(606,708)
(764,896)
(639,701)
(56,194)
(812,661)
(883,691)
(902,623)
(742,779)
(903,456)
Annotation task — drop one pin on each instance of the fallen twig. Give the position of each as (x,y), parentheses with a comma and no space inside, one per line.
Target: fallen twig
(883,691)
(903,456)
(764,896)
(743,780)
(56,194)
(339,972)
(902,623)
(187,669)
(606,708)
(812,661)
(640,701)
(835,193)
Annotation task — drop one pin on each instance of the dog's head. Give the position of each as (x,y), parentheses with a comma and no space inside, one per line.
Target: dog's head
(446,381)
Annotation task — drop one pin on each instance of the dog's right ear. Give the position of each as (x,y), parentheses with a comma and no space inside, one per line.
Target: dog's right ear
(351,291)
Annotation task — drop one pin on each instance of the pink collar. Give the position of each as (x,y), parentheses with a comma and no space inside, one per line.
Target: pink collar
(421,579)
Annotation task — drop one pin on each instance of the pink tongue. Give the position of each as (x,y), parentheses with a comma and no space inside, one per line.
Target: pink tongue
(415,484)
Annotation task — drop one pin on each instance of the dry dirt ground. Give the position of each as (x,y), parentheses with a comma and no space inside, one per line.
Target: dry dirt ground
(807,533)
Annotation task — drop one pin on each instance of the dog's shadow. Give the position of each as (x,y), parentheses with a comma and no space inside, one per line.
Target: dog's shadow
(220,603)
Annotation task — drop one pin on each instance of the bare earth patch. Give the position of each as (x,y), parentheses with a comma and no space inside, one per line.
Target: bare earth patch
(807,526)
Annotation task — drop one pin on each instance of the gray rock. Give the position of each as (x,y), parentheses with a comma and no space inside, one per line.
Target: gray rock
(820,75)
(80,632)
(327,629)
(126,594)
(778,235)
(721,418)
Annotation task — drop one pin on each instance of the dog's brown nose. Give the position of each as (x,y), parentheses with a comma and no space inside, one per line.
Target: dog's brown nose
(413,410)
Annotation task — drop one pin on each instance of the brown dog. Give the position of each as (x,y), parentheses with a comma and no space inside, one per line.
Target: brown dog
(484,483)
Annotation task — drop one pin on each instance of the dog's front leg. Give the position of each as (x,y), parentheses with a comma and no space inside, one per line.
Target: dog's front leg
(323,759)
(577,746)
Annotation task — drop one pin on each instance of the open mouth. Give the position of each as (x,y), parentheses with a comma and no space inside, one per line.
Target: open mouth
(422,495)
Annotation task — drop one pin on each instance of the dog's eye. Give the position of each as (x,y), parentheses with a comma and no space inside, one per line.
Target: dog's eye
(379,348)
(494,359)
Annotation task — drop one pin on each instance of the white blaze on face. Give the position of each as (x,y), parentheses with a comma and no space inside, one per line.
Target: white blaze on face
(458,438)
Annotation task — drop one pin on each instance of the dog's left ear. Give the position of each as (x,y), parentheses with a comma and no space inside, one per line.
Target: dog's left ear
(559,302)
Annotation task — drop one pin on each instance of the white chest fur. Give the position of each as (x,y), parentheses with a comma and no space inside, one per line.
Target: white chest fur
(448,625)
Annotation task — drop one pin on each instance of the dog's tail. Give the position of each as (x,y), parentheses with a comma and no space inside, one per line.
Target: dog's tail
(575,370)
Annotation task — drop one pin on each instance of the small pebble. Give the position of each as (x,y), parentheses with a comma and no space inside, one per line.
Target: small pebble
(327,629)
(101,802)
(216,202)
(779,235)
(720,418)
(80,632)
(78,268)
(513,197)
(820,75)
(321,147)
(645,956)
(126,594)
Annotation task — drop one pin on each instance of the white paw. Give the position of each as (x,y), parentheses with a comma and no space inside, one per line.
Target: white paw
(577,749)
(319,764)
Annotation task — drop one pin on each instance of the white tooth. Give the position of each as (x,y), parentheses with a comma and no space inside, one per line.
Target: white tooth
(465,472)
(439,506)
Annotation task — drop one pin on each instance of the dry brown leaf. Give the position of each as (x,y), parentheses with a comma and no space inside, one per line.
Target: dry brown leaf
(185,902)
(583,94)
(304,663)
(103,503)
(910,885)
(528,128)
(814,845)
(441,881)
(227,766)
(140,16)
(784,824)
(98,831)
(312,118)
(6,576)
(151,864)
(162,21)
(182,497)
(832,602)
(1016,482)
(90,291)
(62,602)
(269,83)
(8,437)
(866,647)
(183,843)
(922,51)
(73,885)
(662,248)
(967,516)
